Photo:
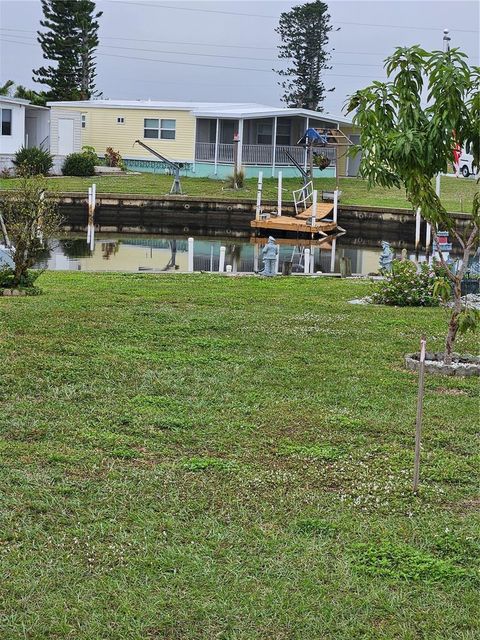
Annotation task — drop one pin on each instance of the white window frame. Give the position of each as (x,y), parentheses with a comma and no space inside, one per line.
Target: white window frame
(145,128)
(84,120)
(163,128)
(280,124)
(1,121)
(261,125)
(120,119)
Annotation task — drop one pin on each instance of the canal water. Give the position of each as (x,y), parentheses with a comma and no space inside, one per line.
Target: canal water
(157,254)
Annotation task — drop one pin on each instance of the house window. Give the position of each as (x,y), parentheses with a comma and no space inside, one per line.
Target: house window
(283,132)
(6,122)
(84,120)
(264,133)
(154,128)
(120,120)
(167,129)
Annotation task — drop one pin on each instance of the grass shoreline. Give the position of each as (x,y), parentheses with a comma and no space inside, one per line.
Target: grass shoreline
(456,193)
(191,457)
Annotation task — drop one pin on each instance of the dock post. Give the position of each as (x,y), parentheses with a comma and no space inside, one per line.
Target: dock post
(221,262)
(279,195)
(92,222)
(332,258)
(190,256)
(335,205)
(258,208)
(418,221)
(255,258)
(306,261)
(312,260)
(89,213)
(314,207)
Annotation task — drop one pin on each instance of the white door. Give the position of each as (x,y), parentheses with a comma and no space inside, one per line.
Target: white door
(65,136)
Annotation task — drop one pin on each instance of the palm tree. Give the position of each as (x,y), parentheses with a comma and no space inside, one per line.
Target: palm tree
(5,89)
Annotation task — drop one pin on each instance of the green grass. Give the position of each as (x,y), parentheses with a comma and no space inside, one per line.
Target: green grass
(198,457)
(457,194)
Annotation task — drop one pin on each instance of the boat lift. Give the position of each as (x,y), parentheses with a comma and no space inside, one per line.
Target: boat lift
(175,166)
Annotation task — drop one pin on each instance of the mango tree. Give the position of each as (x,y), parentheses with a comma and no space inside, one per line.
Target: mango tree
(410,125)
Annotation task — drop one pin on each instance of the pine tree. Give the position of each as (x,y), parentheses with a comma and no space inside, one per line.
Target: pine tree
(70,42)
(304,34)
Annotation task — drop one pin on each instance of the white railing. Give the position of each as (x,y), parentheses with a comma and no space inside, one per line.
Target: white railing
(261,154)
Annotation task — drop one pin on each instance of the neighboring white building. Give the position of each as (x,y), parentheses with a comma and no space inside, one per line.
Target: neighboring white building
(22,125)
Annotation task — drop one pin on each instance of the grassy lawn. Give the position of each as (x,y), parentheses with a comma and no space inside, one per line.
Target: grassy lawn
(457,194)
(198,457)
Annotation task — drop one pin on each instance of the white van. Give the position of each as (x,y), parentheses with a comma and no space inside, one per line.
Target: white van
(465,164)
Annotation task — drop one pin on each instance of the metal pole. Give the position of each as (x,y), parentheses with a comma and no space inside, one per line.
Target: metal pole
(335,205)
(217,138)
(306,147)
(418,428)
(306,261)
(428,237)
(190,256)
(240,145)
(221,262)
(274,150)
(258,208)
(279,194)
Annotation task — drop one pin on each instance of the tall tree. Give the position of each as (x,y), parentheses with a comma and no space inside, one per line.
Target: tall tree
(70,42)
(406,141)
(304,34)
(5,88)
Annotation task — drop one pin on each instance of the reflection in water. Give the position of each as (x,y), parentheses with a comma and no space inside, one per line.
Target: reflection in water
(161,253)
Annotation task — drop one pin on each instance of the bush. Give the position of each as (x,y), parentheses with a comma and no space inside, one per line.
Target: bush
(114,159)
(237,180)
(27,281)
(91,153)
(32,162)
(79,164)
(404,286)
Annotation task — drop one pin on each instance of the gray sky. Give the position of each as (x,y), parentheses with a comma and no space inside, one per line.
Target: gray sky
(228,48)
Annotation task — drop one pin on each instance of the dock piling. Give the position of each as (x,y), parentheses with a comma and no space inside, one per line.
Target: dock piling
(279,195)
(190,256)
(306,261)
(258,208)
(221,262)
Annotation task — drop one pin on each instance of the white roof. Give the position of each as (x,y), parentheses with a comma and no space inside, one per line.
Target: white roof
(20,101)
(206,109)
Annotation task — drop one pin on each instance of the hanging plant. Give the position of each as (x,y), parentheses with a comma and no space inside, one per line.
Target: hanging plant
(321,161)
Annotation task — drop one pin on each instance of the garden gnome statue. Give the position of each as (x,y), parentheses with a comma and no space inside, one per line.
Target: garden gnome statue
(269,253)
(386,257)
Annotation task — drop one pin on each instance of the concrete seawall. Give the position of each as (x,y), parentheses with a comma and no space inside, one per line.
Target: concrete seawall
(210,216)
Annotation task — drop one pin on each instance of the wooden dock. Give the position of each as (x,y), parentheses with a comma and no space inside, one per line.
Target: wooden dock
(300,223)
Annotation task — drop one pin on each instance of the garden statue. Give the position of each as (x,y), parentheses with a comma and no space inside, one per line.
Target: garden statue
(269,253)
(386,257)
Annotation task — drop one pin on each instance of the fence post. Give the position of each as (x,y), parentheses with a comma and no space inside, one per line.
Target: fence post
(190,256)
(332,257)
(279,195)
(221,262)
(306,261)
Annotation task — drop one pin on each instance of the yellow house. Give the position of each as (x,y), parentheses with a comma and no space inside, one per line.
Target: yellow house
(206,137)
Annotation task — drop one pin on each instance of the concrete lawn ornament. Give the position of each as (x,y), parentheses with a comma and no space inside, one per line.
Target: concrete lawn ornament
(386,257)
(269,254)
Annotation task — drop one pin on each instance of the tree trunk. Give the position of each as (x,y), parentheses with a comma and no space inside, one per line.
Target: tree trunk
(453,324)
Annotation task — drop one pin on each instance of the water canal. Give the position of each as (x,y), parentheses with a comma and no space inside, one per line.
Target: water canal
(165,253)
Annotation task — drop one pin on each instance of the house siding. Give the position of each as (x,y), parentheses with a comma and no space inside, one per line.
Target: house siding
(56,115)
(102,131)
(12,143)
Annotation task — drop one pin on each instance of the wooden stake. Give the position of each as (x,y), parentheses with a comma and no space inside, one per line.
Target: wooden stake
(418,429)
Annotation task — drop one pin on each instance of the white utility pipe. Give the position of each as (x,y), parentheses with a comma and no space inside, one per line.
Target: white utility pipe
(221,262)
(88,214)
(190,256)
(279,195)
(335,205)
(306,261)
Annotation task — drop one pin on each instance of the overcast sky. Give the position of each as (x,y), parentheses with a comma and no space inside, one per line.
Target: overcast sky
(228,48)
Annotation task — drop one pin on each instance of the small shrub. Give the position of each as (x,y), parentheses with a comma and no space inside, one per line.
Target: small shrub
(91,153)
(237,180)
(6,173)
(405,287)
(32,162)
(114,159)
(79,164)
(27,281)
